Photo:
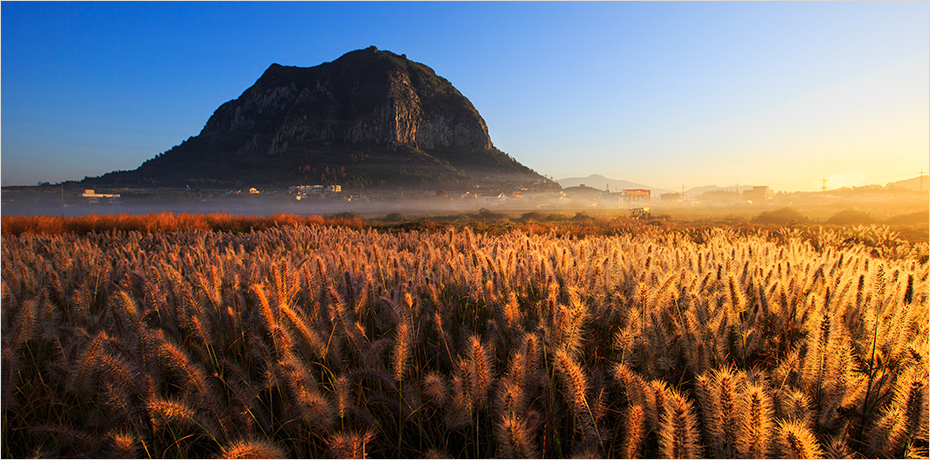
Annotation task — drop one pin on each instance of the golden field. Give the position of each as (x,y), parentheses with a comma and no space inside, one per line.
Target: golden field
(316,337)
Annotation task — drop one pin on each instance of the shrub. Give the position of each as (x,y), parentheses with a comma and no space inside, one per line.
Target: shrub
(783,216)
(851,217)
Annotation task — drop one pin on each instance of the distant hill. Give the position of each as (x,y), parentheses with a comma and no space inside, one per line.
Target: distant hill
(697,191)
(915,183)
(601,183)
(368,119)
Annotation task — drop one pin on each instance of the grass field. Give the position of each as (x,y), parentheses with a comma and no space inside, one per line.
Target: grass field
(283,336)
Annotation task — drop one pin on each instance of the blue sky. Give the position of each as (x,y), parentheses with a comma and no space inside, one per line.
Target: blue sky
(661,93)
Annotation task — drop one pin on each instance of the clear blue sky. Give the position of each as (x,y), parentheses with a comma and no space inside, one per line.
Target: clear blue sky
(664,93)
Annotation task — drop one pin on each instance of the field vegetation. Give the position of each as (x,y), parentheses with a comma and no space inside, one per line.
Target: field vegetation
(322,337)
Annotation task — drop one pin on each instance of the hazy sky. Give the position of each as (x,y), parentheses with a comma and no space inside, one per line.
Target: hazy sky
(665,94)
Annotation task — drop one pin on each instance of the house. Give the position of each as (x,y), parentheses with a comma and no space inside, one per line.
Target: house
(637,196)
(492,200)
(94,198)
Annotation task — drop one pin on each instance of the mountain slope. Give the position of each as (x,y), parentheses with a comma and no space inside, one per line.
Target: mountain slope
(368,119)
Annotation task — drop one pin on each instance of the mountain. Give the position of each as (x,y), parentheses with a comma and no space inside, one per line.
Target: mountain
(597,181)
(368,119)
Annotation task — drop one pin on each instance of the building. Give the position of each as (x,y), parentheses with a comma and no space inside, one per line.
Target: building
(492,200)
(759,194)
(309,189)
(94,198)
(636,196)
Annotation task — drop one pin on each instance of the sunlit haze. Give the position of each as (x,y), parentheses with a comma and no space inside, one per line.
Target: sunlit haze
(667,94)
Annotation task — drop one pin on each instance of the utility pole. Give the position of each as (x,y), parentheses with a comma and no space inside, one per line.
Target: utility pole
(824,188)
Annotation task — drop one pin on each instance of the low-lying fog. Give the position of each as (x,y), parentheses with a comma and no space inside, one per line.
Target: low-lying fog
(247,206)
(878,208)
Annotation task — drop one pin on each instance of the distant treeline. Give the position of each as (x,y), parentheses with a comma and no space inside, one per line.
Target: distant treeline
(854,224)
(164,222)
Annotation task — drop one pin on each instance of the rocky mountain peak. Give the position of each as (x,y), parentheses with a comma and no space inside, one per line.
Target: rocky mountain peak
(365,96)
(375,116)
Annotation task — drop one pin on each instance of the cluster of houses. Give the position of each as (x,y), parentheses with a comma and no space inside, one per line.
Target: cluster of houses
(571,197)
(582,197)
(575,197)
(755,195)
(303,191)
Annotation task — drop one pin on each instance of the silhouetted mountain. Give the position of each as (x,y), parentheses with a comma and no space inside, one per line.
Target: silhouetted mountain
(368,119)
(600,182)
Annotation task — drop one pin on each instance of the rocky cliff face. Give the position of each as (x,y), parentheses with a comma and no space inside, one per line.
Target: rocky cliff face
(372,116)
(366,96)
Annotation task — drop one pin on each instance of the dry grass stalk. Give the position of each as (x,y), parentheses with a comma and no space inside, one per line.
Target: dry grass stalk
(678,431)
(402,341)
(434,388)
(796,441)
(163,412)
(349,444)
(575,387)
(514,438)
(756,423)
(123,445)
(479,372)
(253,449)
(634,423)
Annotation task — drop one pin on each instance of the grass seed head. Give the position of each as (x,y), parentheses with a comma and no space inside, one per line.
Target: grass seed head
(253,449)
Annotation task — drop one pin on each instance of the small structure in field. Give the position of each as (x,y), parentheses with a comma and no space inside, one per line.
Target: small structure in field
(94,198)
(640,213)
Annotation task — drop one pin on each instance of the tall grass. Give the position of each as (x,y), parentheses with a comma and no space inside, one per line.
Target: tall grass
(301,339)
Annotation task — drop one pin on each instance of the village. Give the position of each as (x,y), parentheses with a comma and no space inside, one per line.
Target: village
(880,202)
(517,198)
